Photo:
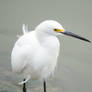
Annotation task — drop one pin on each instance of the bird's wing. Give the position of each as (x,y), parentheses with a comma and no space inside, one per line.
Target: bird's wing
(23,49)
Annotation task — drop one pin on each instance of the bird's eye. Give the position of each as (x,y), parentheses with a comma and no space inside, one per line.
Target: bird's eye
(55,30)
(59,30)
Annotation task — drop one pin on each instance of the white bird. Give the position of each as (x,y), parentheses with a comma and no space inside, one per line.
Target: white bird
(35,53)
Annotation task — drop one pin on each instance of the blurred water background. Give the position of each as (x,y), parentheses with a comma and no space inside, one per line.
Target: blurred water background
(74,71)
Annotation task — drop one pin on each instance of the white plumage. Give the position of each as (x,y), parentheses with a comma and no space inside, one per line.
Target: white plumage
(35,53)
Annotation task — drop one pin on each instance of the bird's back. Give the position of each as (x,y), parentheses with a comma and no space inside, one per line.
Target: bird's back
(23,48)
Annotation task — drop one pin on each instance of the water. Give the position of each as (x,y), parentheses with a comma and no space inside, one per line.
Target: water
(74,70)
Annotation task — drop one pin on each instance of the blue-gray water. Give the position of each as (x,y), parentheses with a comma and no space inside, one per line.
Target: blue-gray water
(74,70)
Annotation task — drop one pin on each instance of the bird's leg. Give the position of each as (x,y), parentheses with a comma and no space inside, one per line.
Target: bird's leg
(24,86)
(44,85)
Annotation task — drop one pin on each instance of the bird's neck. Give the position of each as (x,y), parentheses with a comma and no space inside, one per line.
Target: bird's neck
(47,40)
(43,37)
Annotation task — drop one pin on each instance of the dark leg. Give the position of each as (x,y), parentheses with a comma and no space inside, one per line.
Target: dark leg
(24,87)
(44,85)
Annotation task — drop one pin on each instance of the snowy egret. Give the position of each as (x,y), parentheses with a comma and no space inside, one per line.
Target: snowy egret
(35,53)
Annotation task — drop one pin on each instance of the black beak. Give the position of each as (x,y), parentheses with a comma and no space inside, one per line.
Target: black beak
(76,36)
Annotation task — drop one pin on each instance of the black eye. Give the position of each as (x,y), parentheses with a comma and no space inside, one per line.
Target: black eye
(55,29)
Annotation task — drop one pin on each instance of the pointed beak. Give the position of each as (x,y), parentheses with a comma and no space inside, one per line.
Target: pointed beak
(71,34)
(75,36)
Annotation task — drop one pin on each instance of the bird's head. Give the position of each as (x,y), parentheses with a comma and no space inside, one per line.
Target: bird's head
(54,28)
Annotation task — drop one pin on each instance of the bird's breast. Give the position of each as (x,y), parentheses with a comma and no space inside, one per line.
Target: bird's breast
(51,44)
(45,58)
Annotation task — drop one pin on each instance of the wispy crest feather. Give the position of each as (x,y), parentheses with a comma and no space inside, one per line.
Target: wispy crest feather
(24,28)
